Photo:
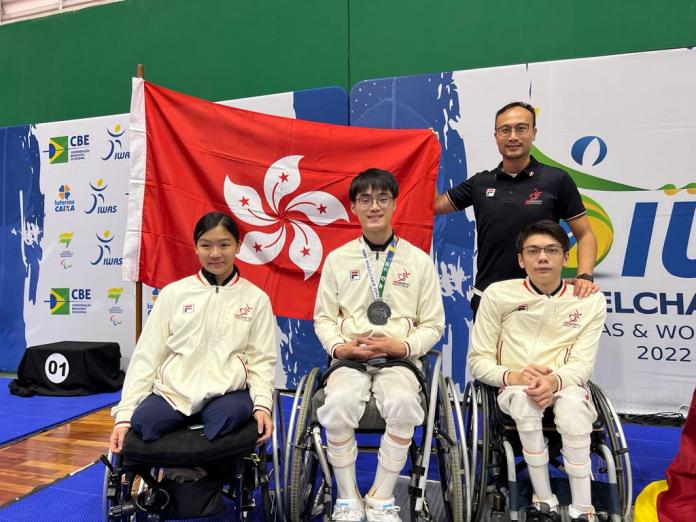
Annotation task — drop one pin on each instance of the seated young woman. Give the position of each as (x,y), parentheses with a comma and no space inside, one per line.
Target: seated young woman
(207,353)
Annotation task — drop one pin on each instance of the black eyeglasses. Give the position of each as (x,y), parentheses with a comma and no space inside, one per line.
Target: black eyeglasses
(550,250)
(366,201)
(520,129)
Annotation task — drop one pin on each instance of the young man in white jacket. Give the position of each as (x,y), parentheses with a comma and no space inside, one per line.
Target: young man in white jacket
(379,297)
(538,342)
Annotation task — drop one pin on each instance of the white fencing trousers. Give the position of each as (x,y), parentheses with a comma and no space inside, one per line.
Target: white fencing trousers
(348,390)
(572,407)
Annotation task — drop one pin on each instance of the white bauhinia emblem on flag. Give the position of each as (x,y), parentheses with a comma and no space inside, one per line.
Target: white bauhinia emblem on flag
(282,179)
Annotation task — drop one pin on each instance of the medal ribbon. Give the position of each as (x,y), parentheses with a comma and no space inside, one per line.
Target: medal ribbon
(378,289)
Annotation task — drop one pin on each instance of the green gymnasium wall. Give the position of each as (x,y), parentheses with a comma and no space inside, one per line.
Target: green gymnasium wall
(79,64)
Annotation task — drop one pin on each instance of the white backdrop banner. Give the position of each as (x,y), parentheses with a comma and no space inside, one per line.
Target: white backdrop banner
(624,128)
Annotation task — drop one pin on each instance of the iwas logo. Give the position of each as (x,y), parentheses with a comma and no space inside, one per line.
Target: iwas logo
(99,204)
(116,151)
(282,179)
(104,256)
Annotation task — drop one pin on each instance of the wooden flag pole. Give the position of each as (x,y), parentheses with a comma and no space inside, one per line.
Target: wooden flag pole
(140,73)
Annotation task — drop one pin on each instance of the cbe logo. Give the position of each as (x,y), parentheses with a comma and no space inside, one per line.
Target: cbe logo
(56,368)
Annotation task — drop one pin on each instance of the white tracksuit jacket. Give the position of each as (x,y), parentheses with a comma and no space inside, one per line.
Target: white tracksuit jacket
(202,341)
(412,291)
(516,326)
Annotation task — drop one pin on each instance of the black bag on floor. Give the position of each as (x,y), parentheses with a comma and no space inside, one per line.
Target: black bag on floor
(194,498)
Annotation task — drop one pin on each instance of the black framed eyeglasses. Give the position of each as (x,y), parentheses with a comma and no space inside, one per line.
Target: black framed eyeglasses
(520,129)
(550,250)
(366,201)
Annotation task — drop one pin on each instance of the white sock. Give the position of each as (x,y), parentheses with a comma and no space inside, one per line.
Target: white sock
(576,458)
(537,458)
(342,458)
(392,457)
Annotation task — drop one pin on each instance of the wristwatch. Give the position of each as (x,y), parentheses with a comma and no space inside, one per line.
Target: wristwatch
(586,277)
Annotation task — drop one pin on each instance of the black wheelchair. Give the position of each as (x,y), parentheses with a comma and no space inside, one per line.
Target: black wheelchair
(137,486)
(307,474)
(498,492)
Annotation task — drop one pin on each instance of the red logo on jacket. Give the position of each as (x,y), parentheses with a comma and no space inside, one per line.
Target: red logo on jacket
(401,279)
(534,198)
(573,317)
(244,313)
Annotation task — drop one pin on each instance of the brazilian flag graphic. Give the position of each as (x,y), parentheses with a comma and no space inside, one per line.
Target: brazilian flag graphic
(60,301)
(58,149)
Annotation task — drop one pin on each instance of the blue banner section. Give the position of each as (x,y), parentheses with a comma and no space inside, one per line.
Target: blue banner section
(21,232)
(432,101)
(327,105)
(300,349)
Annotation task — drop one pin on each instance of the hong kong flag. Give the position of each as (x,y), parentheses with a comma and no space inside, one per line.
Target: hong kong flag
(285,182)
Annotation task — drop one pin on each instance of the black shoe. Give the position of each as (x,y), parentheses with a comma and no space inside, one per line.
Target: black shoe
(541,512)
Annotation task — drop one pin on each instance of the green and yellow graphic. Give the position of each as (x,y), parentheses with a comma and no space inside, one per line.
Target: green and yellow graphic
(114,293)
(65,238)
(59,301)
(58,149)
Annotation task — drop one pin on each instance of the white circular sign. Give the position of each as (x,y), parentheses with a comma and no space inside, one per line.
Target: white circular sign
(56,368)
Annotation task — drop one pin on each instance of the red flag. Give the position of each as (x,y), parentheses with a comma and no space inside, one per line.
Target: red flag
(679,501)
(285,181)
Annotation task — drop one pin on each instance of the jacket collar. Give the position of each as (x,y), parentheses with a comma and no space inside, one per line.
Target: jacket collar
(208,277)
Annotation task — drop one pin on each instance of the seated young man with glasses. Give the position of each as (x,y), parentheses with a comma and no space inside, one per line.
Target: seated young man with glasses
(379,297)
(519,191)
(538,342)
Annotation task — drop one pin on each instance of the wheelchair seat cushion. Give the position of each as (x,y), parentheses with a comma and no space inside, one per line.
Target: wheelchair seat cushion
(188,448)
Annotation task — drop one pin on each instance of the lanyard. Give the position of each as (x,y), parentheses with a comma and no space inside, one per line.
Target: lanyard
(378,290)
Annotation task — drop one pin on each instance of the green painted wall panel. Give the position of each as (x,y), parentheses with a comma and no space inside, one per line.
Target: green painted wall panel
(390,38)
(79,64)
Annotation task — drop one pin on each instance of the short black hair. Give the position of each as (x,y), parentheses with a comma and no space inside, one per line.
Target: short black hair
(377,179)
(547,228)
(512,105)
(210,221)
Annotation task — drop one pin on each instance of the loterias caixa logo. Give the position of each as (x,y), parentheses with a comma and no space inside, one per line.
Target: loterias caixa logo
(64,202)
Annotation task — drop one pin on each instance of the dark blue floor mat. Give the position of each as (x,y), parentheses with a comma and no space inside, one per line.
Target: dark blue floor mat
(79,497)
(37,413)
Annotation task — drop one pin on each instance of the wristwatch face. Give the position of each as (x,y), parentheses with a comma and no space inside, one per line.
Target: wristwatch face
(587,277)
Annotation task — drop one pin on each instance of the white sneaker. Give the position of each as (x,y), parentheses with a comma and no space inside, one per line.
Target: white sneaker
(382,510)
(351,509)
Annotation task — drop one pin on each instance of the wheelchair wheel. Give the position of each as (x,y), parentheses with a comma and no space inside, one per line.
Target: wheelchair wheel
(448,458)
(277,442)
(618,451)
(476,414)
(302,487)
